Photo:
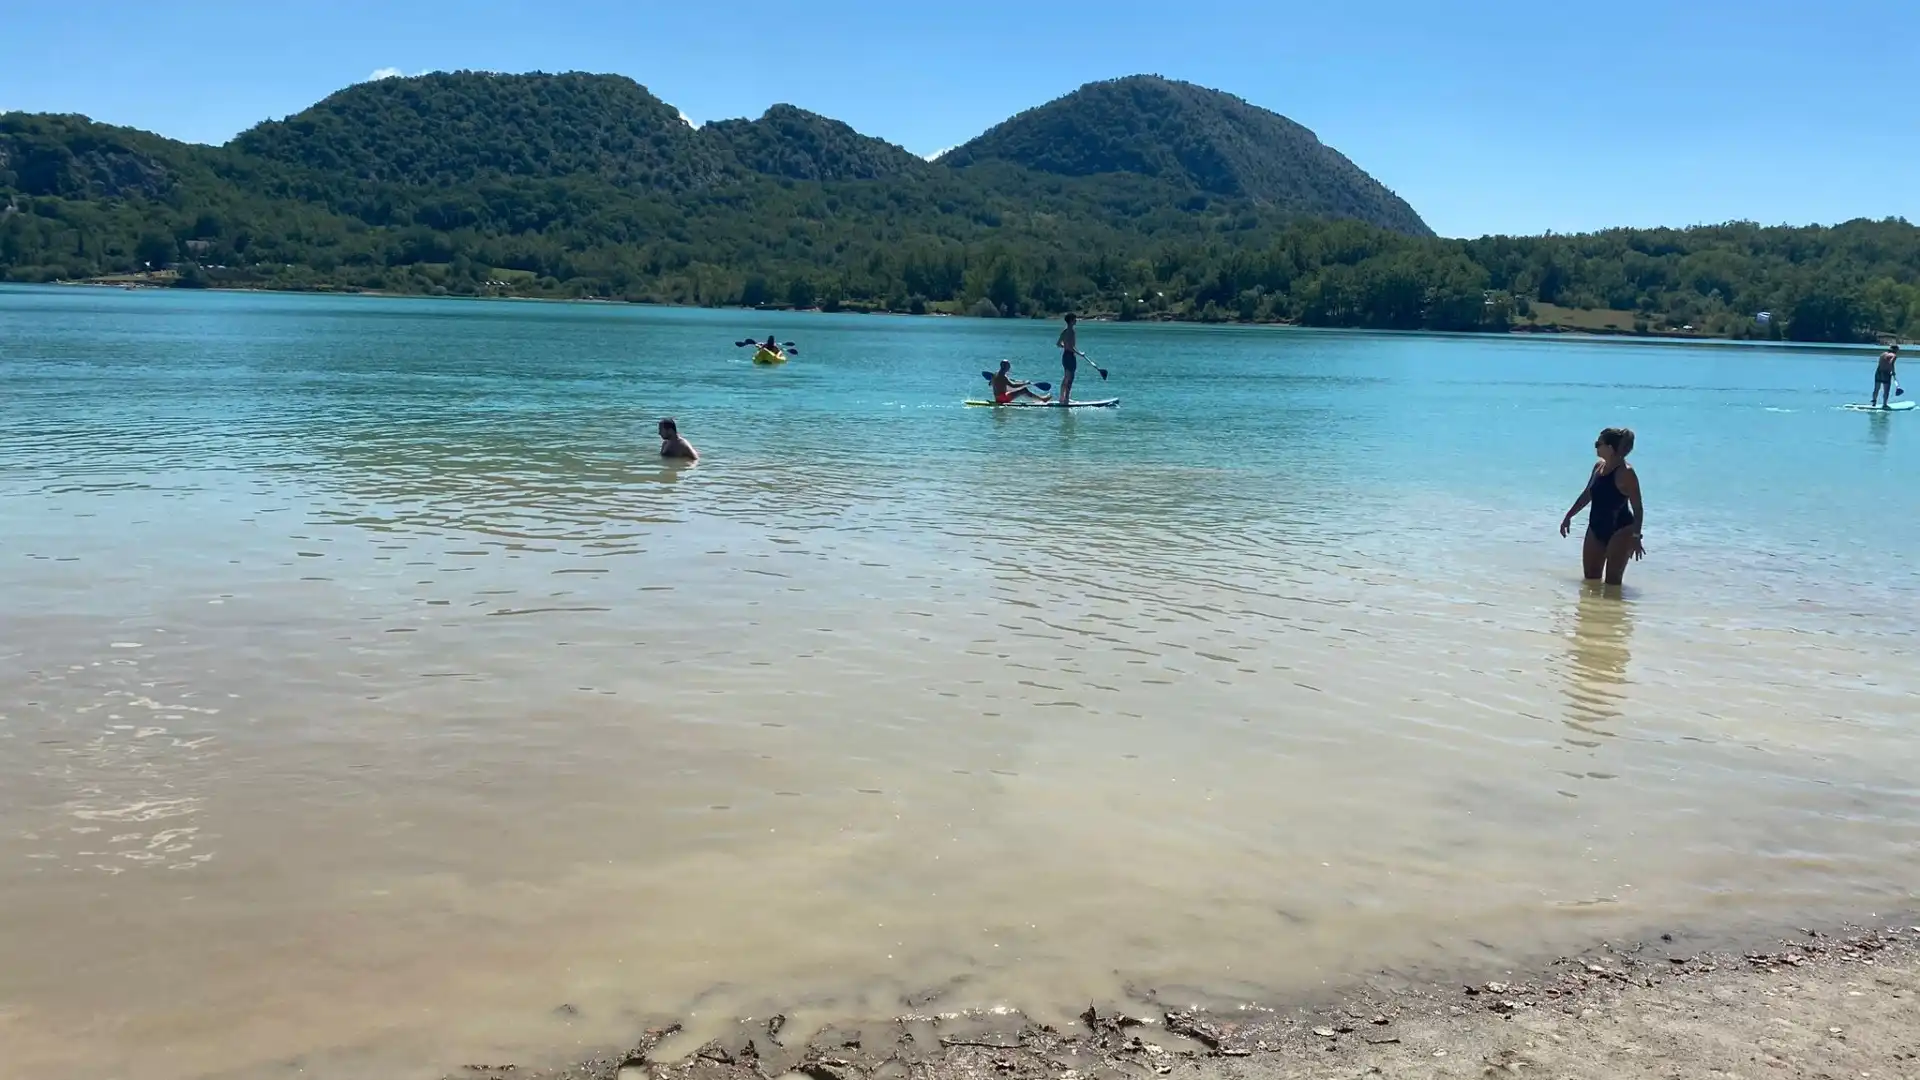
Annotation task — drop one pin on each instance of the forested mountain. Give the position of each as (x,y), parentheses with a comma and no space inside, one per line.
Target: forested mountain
(1138,197)
(1211,141)
(800,145)
(452,129)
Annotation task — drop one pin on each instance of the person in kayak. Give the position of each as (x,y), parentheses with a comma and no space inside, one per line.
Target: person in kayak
(1613,529)
(772,346)
(672,445)
(1006,387)
(1069,343)
(1883,376)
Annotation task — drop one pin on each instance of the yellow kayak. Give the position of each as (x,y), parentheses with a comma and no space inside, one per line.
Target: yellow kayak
(764,355)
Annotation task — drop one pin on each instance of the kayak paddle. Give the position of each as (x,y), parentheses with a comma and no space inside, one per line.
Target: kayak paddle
(1043,387)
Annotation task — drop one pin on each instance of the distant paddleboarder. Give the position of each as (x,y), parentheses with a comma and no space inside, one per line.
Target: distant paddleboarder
(1883,376)
(1070,355)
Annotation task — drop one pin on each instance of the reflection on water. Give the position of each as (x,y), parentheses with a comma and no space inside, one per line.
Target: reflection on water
(1879,427)
(369,687)
(1597,657)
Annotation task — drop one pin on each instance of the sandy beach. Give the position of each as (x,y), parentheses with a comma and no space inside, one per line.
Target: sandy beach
(1827,1004)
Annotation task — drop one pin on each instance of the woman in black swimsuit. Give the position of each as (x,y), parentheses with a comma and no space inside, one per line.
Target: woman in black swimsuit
(1613,529)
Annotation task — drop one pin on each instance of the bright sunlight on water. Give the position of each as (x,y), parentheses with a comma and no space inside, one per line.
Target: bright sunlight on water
(369,688)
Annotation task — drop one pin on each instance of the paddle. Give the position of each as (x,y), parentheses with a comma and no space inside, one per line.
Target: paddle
(1096,367)
(1043,387)
(787,345)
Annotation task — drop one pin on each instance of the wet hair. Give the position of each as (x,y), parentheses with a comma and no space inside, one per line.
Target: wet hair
(1619,438)
(1071,317)
(667,425)
(1005,364)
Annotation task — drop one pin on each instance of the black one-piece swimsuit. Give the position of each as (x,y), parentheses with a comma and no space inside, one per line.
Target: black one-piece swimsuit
(1610,510)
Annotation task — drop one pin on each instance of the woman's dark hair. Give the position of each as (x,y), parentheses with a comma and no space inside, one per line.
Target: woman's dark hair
(1619,438)
(667,424)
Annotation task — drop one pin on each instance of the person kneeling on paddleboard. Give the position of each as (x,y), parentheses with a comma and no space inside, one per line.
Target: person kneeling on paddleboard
(1006,387)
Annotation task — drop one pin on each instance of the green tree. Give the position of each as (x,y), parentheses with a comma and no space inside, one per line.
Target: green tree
(156,250)
(1825,316)
(755,293)
(800,293)
(1003,288)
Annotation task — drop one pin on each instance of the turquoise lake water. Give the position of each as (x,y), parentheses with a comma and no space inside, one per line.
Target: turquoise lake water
(375,631)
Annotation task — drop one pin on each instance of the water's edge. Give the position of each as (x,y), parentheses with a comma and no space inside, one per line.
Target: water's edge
(1360,1023)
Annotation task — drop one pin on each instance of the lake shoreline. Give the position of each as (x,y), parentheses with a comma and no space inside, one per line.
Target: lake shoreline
(1836,1001)
(1528,329)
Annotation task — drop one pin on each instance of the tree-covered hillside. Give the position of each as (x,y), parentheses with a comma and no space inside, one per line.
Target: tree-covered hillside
(572,185)
(799,145)
(457,129)
(1194,136)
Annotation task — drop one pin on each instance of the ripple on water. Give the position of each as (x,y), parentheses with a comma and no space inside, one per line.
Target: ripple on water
(430,662)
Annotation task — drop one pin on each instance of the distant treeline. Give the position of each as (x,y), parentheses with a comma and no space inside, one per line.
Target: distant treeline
(80,200)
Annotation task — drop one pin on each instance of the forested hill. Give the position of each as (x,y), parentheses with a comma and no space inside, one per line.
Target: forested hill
(1194,136)
(461,129)
(457,129)
(1139,197)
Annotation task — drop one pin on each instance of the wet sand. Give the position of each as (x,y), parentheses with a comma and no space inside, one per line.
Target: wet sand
(1839,1003)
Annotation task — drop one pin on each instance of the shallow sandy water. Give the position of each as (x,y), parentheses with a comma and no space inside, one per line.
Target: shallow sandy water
(363,743)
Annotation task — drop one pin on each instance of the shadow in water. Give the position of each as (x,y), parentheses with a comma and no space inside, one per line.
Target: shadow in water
(1598,656)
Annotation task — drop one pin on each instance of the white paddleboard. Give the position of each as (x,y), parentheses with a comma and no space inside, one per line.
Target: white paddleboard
(1898,406)
(1105,403)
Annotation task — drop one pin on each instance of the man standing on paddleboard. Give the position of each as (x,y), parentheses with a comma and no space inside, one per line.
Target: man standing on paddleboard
(1069,357)
(1882,377)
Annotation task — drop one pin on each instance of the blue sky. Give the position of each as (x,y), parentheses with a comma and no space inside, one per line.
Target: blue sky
(1491,117)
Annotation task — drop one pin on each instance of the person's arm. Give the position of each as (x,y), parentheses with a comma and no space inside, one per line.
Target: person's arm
(1630,487)
(1579,504)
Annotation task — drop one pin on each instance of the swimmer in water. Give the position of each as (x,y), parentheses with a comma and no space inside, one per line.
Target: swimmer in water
(672,445)
(1613,529)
